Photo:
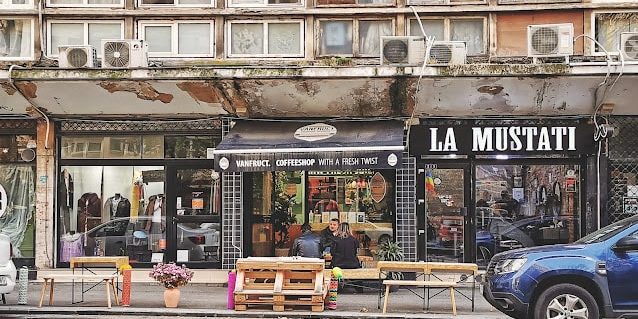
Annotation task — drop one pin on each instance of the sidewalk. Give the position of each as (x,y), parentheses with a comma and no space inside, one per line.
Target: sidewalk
(201,300)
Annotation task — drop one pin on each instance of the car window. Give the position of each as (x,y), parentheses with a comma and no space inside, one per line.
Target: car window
(608,232)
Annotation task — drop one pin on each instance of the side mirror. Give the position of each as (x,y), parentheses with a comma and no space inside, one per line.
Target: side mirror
(627,243)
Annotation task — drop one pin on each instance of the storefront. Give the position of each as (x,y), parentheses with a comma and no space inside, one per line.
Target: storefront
(313,172)
(489,186)
(146,190)
(17,187)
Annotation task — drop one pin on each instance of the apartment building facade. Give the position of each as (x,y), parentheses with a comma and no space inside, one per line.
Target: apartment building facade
(520,137)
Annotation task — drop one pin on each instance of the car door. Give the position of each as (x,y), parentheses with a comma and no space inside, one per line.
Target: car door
(622,275)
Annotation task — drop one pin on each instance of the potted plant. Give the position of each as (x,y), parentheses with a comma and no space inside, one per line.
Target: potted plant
(172,277)
(282,217)
(391,251)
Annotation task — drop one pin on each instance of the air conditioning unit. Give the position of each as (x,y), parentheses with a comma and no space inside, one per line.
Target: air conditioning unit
(447,53)
(629,45)
(77,56)
(127,53)
(550,40)
(402,50)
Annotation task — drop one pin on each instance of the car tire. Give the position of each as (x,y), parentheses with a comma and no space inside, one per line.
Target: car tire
(569,298)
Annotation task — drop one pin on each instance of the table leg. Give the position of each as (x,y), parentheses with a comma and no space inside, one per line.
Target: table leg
(44,289)
(108,293)
(115,293)
(387,296)
(453,301)
(473,288)
(51,292)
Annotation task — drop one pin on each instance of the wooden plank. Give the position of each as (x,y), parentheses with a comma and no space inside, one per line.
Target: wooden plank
(86,277)
(318,281)
(423,283)
(279,282)
(239,281)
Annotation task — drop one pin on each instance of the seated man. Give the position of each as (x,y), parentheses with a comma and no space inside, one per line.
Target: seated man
(306,245)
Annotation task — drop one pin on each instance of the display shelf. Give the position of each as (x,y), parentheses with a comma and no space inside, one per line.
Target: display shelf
(354,227)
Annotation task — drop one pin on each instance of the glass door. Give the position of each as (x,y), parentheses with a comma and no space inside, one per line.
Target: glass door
(193,213)
(443,223)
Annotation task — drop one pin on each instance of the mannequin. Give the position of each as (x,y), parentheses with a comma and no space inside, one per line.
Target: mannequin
(117,206)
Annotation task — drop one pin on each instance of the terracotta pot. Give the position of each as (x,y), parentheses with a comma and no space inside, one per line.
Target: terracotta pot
(171,297)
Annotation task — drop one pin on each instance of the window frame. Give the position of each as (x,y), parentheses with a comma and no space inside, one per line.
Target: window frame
(302,41)
(176,3)
(6,4)
(84,4)
(445,2)
(31,56)
(392,3)
(355,35)
(174,24)
(265,4)
(447,28)
(593,46)
(85,24)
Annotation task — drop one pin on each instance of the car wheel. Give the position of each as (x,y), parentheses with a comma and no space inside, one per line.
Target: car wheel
(566,301)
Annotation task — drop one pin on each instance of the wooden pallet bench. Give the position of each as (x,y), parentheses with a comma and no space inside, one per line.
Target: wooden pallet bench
(280,282)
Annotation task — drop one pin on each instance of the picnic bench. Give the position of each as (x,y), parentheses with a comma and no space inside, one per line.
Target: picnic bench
(280,282)
(429,275)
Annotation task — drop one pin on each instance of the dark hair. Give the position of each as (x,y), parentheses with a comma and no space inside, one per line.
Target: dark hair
(306,227)
(335,220)
(344,231)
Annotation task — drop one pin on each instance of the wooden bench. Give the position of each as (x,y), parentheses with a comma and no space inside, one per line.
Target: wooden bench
(109,281)
(420,283)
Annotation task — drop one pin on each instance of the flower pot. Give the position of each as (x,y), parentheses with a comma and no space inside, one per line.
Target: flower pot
(281,252)
(171,297)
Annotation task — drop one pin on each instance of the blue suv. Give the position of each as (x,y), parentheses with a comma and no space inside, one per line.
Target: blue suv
(595,277)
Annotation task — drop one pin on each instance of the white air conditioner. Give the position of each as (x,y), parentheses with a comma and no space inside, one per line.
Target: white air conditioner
(77,56)
(127,53)
(402,50)
(447,53)
(550,40)
(629,45)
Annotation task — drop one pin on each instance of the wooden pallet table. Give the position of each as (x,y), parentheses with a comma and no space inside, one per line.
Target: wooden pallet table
(280,282)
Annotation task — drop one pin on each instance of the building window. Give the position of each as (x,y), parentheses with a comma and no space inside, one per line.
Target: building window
(86,3)
(16,4)
(336,37)
(81,33)
(136,146)
(355,2)
(178,39)
(266,39)
(608,27)
(265,3)
(448,2)
(178,3)
(16,40)
(469,30)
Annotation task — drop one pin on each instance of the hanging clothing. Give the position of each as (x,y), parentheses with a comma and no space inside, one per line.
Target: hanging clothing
(89,211)
(65,198)
(71,246)
(155,225)
(116,206)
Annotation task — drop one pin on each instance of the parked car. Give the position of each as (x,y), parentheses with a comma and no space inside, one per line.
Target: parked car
(8,271)
(127,236)
(596,276)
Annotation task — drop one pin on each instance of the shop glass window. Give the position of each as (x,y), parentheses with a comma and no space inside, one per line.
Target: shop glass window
(114,147)
(336,37)
(179,39)
(86,3)
(429,2)
(16,4)
(469,30)
(264,3)
(81,33)
(188,146)
(111,211)
(14,148)
(354,2)
(16,39)
(17,207)
(608,27)
(524,206)
(180,3)
(266,39)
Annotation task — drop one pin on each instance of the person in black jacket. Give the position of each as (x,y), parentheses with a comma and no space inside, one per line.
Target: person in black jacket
(306,245)
(344,249)
(328,235)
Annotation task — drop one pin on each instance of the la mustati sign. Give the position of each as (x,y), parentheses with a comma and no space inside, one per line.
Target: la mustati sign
(501,139)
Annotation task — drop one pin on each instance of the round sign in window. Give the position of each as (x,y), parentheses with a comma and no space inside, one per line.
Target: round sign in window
(392,159)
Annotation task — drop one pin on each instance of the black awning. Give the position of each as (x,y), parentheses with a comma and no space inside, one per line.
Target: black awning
(253,146)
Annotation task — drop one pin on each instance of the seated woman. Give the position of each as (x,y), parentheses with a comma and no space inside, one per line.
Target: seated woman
(344,249)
